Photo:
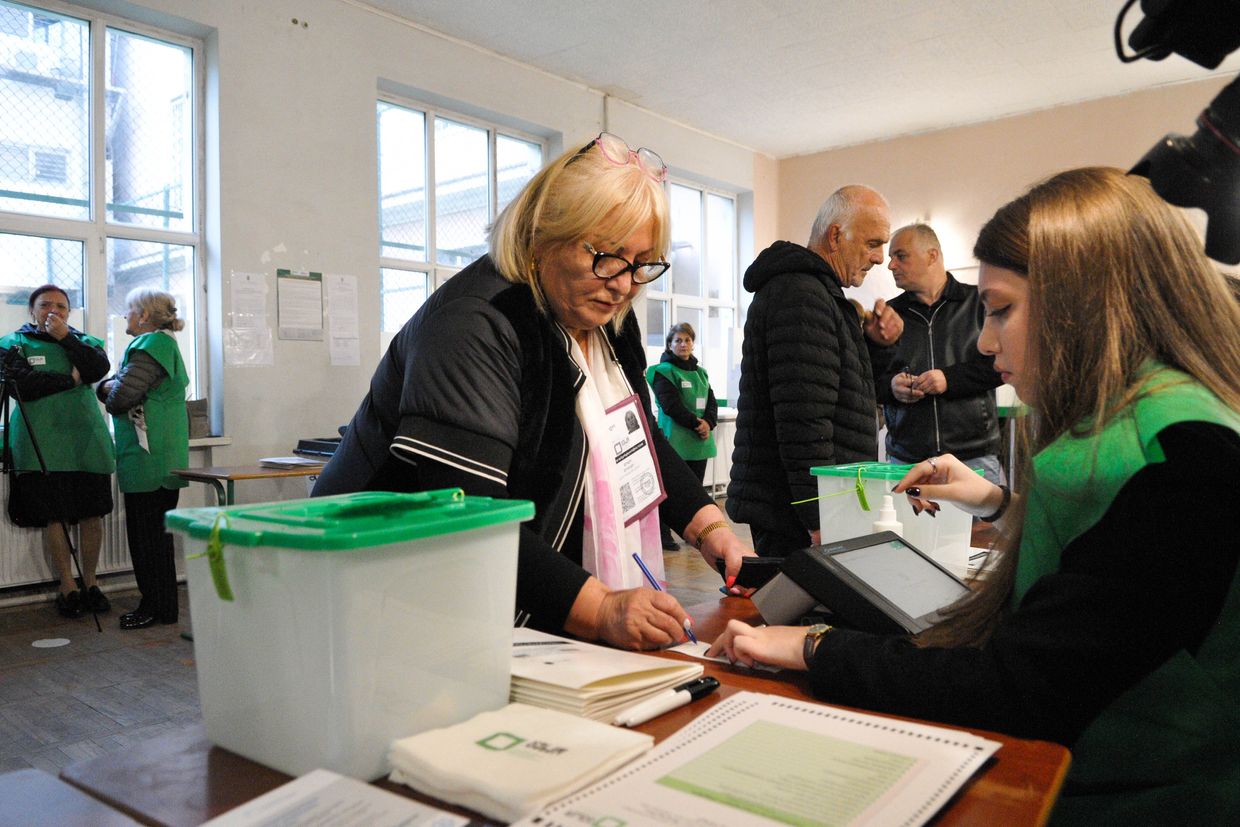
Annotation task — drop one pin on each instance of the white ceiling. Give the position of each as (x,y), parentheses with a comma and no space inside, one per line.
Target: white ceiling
(788,77)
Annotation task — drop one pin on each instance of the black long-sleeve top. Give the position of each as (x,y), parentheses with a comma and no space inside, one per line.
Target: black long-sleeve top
(668,396)
(1146,581)
(141,374)
(91,362)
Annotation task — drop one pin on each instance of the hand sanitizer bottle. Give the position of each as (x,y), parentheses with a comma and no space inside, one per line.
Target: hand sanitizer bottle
(887,518)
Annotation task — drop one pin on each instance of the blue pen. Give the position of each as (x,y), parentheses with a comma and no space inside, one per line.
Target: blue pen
(637,558)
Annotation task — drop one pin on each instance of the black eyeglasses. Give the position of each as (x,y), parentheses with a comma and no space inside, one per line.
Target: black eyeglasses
(610,265)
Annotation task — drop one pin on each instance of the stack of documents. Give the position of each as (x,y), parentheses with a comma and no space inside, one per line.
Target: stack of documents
(583,679)
(290,462)
(757,760)
(509,763)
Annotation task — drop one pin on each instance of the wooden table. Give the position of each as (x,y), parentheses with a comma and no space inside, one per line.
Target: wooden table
(223,477)
(180,779)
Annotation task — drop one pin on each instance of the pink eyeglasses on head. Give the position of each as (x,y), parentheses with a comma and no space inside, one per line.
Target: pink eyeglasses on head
(614,149)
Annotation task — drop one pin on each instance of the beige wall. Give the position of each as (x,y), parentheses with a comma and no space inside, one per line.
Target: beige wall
(956,178)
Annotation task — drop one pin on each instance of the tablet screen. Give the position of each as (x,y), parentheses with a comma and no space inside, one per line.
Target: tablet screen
(902,576)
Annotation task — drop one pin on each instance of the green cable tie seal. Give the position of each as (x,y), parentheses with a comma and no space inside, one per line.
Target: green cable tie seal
(859,488)
(215,556)
(865,504)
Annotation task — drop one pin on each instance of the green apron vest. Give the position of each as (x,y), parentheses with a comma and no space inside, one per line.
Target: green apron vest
(694,387)
(69,425)
(1170,745)
(167,424)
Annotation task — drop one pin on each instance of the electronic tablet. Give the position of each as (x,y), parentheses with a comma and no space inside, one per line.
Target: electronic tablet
(876,583)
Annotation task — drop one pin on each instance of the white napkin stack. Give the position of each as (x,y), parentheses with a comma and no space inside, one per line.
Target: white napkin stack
(514,761)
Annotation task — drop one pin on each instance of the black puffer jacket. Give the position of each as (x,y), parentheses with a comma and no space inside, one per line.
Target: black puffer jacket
(806,393)
(962,420)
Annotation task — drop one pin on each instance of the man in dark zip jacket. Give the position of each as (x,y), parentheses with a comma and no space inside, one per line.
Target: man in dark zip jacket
(807,387)
(938,392)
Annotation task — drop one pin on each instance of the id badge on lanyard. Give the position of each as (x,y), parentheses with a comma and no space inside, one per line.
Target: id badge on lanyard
(636,466)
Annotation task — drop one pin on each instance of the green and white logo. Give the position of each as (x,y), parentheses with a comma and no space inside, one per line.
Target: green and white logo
(500,741)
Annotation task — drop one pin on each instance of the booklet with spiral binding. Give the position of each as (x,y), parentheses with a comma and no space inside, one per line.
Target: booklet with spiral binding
(763,760)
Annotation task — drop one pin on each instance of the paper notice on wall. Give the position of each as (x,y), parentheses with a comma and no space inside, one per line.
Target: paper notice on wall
(299,305)
(343,344)
(344,352)
(341,306)
(247,339)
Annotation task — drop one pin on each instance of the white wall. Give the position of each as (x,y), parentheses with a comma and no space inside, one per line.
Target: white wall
(292,115)
(956,178)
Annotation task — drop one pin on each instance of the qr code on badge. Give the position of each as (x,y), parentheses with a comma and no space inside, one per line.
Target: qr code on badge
(626,497)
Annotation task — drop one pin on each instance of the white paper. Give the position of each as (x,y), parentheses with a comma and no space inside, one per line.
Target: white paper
(249,300)
(342,306)
(299,303)
(324,797)
(698,650)
(247,340)
(758,760)
(344,352)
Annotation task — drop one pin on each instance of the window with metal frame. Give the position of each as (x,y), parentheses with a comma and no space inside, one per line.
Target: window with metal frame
(701,287)
(443,179)
(100,151)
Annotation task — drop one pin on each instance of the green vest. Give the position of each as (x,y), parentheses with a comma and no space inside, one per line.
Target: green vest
(68,425)
(167,424)
(694,387)
(1170,745)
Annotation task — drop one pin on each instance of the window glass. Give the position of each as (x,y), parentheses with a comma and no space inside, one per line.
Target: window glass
(403,292)
(656,322)
(402,182)
(686,206)
(462,192)
(149,132)
(27,262)
(720,247)
(516,162)
(44,113)
(147,232)
(692,315)
(166,267)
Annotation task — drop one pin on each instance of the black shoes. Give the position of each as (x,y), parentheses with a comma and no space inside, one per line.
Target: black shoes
(70,605)
(140,619)
(137,620)
(95,601)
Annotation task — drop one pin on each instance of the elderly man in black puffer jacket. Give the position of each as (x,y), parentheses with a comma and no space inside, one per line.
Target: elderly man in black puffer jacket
(807,390)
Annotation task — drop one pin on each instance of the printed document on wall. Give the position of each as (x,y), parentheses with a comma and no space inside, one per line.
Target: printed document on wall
(299,305)
(247,339)
(342,319)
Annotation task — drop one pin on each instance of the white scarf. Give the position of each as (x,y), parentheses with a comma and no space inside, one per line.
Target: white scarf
(607,543)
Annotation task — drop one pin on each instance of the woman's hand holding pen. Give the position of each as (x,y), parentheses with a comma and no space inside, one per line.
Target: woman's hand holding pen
(641,619)
(947,478)
(745,645)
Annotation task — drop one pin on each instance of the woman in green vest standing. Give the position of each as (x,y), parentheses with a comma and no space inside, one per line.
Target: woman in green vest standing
(147,401)
(53,367)
(1110,617)
(688,411)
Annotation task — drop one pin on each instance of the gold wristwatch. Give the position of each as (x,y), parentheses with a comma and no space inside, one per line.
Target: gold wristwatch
(814,634)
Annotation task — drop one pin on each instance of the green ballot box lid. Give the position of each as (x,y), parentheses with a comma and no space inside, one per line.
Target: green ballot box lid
(348,521)
(862,470)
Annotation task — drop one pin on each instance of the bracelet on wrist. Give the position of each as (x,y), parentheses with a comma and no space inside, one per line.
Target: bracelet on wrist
(717,524)
(1003,505)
